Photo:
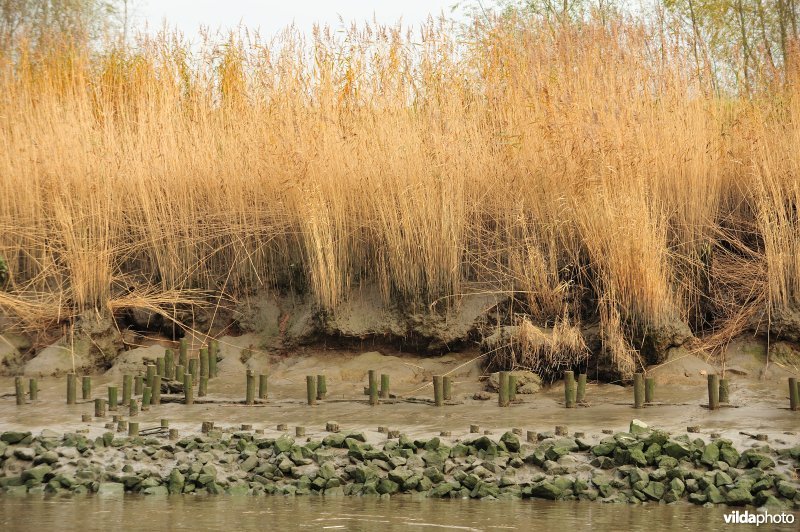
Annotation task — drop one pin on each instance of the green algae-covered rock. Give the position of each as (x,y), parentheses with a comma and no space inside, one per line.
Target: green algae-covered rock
(176,481)
(546,490)
(386,485)
(249,463)
(111,488)
(364,473)
(511,441)
(604,448)
(283,444)
(638,427)
(654,491)
(677,449)
(334,440)
(35,474)
(710,456)
(714,495)
(738,497)
(441,490)
(483,490)
(14,437)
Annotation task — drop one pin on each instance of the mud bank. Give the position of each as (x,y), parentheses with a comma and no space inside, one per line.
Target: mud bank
(639,466)
(270,323)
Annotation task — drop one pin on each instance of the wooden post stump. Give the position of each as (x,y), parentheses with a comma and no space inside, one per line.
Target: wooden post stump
(33,389)
(384,386)
(322,387)
(112,397)
(86,387)
(183,353)
(194,370)
(99,408)
(373,387)
(169,364)
(713,392)
(127,383)
(311,390)
(151,374)
(512,387)
(263,390)
(502,396)
(19,390)
(155,398)
(724,391)
(570,393)
(147,397)
(188,391)
(794,398)
(638,390)
(447,383)
(213,351)
(250,387)
(204,362)
(438,390)
(70,388)
(580,392)
(649,389)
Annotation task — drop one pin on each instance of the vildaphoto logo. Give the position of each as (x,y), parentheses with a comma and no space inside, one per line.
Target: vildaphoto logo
(758,518)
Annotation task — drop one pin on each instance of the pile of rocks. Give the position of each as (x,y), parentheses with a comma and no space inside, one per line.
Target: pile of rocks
(643,465)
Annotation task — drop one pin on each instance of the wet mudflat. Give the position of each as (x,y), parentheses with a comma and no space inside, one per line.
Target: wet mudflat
(756,407)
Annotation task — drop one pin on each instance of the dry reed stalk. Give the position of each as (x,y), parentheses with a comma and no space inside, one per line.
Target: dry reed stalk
(571,168)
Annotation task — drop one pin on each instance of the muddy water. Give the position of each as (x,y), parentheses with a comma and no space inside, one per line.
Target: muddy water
(399,513)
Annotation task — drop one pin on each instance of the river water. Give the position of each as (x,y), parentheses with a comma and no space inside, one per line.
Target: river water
(132,512)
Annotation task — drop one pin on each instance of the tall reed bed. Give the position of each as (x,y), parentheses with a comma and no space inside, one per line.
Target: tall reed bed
(583,169)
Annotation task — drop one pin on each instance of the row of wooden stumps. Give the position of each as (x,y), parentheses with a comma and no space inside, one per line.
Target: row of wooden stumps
(644,390)
(19,388)
(373,391)
(149,385)
(718,391)
(574,390)
(442,389)
(132,427)
(507,388)
(250,390)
